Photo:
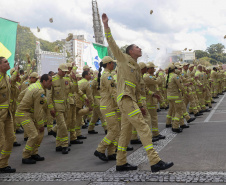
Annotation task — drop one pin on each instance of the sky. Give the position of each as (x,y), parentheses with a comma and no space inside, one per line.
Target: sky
(174,24)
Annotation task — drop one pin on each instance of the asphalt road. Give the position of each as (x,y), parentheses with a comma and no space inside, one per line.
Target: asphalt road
(198,155)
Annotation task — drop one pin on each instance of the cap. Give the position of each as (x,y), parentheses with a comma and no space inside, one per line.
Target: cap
(12,71)
(185,63)
(151,12)
(191,65)
(34,75)
(79,75)
(179,66)
(142,65)
(171,66)
(63,67)
(86,67)
(91,71)
(151,64)
(69,64)
(107,59)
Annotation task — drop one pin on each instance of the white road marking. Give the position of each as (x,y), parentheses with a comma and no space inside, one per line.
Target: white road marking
(213,111)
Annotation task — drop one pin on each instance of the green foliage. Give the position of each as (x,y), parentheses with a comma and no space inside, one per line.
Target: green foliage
(200,54)
(26,43)
(216,49)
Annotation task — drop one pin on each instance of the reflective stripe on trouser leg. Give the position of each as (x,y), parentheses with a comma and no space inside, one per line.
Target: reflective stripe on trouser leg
(93,119)
(39,141)
(110,141)
(7,135)
(127,106)
(178,113)
(170,113)
(32,133)
(134,134)
(62,133)
(154,120)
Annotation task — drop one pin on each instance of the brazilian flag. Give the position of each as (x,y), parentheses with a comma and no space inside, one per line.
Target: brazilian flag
(8,31)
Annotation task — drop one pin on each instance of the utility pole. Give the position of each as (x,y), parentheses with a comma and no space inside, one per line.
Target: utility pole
(97,27)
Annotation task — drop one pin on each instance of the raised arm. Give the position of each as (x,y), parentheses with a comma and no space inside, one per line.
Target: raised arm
(111,42)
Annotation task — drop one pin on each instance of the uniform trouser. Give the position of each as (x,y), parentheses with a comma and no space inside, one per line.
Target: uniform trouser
(132,116)
(49,121)
(110,141)
(198,105)
(97,114)
(6,136)
(161,100)
(152,109)
(70,121)
(169,115)
(208,97)
(177,112)
(62,134)
(193,104)
(201,100)
(147,119)
(214,89)
(185,114)
(79,122)
(34,137)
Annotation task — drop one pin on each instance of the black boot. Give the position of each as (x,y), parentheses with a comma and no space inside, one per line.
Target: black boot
(191,119)
(168,125)
(154,139)
(81,137)
(126,167)
(76,142)
(177,130)
(161,166)
(28,161)
(65,150)
(137,141)
(112,157)
(106,131)
(19,131)
(38,157)
(26,138)
(129,148)
(51,132)
(101,156)
(92,132)
(16,144)
(7,169)
(184,126)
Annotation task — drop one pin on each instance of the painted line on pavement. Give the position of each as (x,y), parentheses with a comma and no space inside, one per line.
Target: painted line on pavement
(214,110)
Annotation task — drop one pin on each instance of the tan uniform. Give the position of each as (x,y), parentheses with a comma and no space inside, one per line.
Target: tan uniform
(152,84)
(129,101)
(96,109)
(30,114)
(58,101)
(175,99)
(84,86)
(6,123)
(109,108)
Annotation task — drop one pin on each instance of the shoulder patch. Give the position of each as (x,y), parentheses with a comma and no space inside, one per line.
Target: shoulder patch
(42,95)
(66,82)
(26,82)
(177,77)
(109,78)
(182,74)
(150,76)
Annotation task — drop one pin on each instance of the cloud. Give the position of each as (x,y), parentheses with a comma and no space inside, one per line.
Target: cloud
(174,25)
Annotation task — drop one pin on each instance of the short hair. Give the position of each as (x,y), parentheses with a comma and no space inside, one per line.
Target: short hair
(130,47)
(85,73)
(1,59)
(50,72)
(44,77)
(21,71)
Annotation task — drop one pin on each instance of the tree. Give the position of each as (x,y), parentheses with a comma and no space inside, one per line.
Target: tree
(200,54)
(216,49)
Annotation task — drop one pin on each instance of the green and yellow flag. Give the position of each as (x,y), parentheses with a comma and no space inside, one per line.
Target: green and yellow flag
(8,31)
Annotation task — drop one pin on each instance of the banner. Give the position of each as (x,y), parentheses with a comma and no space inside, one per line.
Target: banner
(8,30)
(93,54)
